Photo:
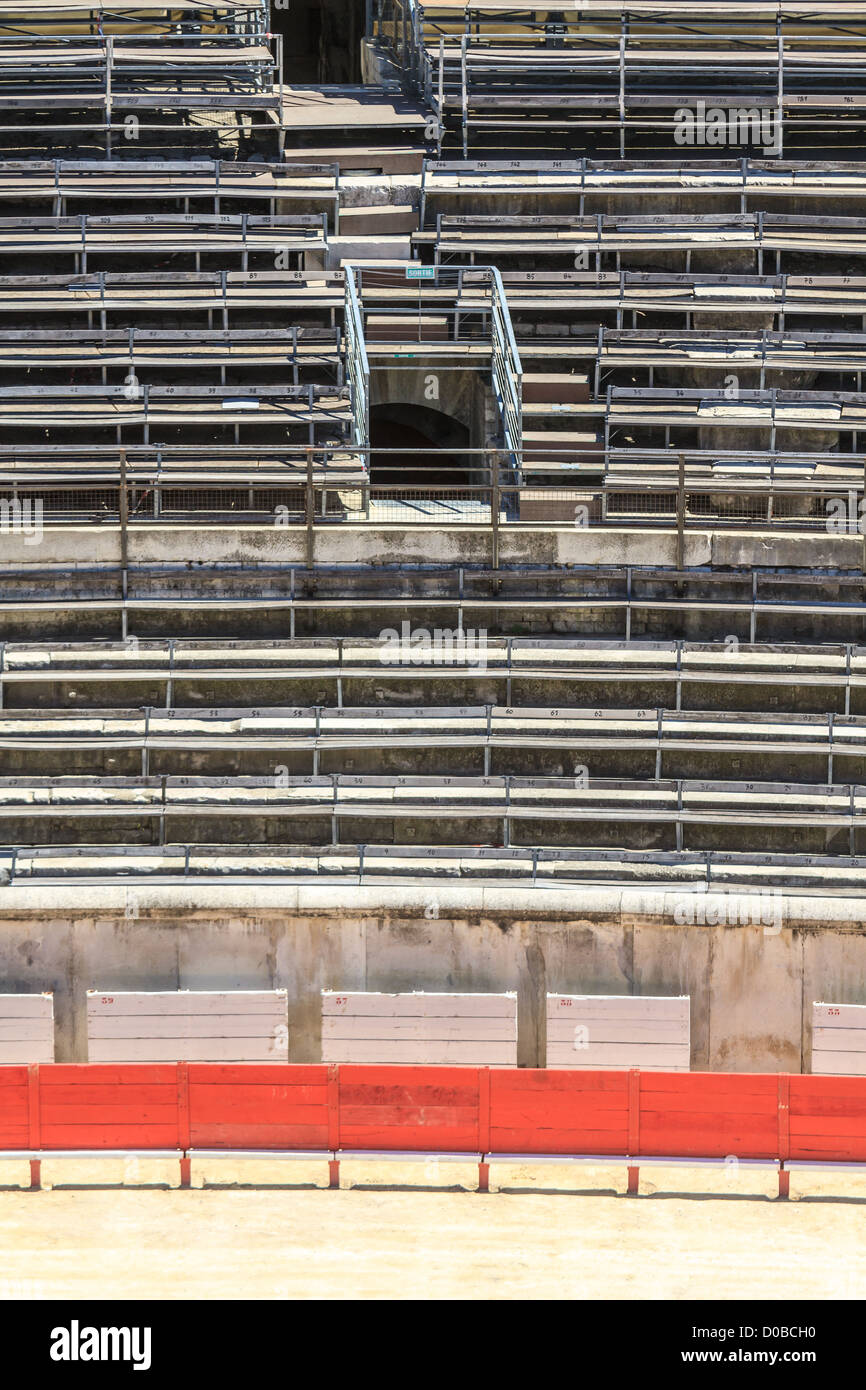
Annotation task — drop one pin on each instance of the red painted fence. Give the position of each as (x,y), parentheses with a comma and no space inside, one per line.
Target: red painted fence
(445,1110)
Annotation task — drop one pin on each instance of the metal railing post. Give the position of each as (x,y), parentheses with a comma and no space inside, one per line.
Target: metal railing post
(681,513)
(310,513)
(123,511)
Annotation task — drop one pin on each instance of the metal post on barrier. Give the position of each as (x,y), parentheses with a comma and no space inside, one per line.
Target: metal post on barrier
(784,1134)
(483,1128)
(309,513)
(334,1125)
(34,1125)
(633,1129)
(183,1138)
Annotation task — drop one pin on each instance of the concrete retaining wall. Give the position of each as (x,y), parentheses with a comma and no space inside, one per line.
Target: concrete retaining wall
(751,987)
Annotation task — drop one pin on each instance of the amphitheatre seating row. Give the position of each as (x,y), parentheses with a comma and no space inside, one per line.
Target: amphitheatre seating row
(722,886)
(535,300)
(55,410)
(551,239)
(135,16)
(70,186)
(182,673)
(491,186)
(318,296)
(88,239)
(605,601)
(495,84)
(347,808)
(289,351)
(659,742)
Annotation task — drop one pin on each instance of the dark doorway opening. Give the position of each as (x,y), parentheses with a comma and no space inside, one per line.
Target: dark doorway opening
(405,428)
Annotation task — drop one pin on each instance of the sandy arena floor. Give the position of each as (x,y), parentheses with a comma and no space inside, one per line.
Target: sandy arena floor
(380,1239)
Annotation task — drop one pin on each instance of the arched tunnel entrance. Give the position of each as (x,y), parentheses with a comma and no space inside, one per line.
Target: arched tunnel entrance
(322,39)
(405,427)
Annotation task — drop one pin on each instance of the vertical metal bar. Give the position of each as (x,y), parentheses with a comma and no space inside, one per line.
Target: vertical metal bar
(123,508)
(310,512)
(681,513)
(34,1125)
(334,1125)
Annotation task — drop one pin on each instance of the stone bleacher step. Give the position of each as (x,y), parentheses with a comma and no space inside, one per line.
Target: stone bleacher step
(391,328)
(554,448)
(389,218)
(555,388)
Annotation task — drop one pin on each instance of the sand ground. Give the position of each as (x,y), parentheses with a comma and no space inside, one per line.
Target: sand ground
(547,1232)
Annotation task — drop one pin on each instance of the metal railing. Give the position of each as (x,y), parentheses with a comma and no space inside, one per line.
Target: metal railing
(507,373)
(357,365)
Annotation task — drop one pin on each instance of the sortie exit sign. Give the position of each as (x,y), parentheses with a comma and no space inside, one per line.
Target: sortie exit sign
(420,272)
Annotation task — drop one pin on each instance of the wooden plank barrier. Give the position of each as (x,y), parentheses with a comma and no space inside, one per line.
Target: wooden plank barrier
(26,1028)
(187,1026)
(839,1039)
(478,1115)
(593,1031)
(419,1028)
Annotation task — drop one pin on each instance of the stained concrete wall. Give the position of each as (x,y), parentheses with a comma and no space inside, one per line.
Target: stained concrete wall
(82,548)
(751,988)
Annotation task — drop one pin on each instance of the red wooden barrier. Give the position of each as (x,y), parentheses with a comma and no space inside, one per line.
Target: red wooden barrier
(828,1118)
(258,1106)
(421,1109)
(550,1112)
(709,1114)
(476,1111)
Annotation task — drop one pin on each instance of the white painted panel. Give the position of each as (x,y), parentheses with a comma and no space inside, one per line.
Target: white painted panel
(614,1030)
(418,1004)
(424,1053)
(397,1029)
(173,1026)
(613,1054)
(618,1031)
(626,1006)
(186,1001)
(839,1016)
(27,1006)
(839,1063)
(181,1050)
(839,1039)
(187,1026)
(422,1028)
(26,1028)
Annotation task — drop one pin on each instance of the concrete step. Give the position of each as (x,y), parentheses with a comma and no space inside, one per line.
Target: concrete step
(381,159)
(386,219)
(402,328)
(556,448)
(557,388)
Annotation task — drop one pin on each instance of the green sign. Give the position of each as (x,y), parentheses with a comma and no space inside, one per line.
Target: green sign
(420,272)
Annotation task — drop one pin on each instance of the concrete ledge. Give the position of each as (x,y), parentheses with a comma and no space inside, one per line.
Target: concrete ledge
(546,544)
(603,904)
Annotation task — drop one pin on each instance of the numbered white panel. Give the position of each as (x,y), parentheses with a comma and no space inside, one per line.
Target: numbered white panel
(839,1039)
(605,1032)
(188,1026)
(26,1028)
(471,1030)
